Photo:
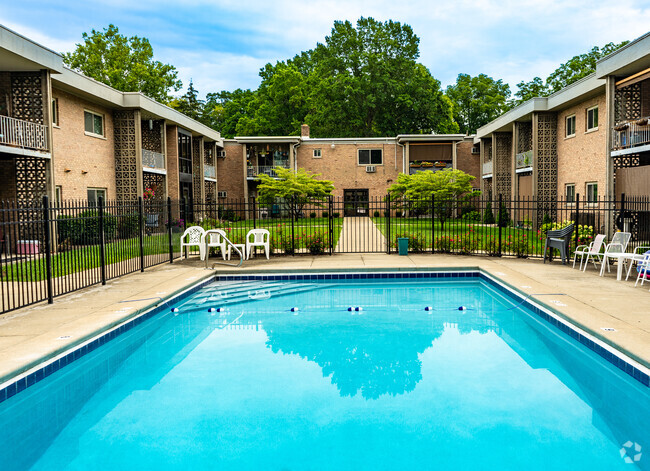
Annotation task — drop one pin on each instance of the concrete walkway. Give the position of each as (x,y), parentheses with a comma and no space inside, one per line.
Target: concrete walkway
(359,234)
(31,335)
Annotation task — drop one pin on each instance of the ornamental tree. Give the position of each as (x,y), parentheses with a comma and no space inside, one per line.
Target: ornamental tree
(293,189)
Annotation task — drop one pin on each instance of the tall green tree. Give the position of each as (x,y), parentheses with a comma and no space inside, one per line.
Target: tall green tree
(571,71)
(477,100)
(126,64)
(189,104)
(223,110)
(293,189)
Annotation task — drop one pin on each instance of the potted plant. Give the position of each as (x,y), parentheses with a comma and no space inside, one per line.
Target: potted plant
(415,164)
(440,164)
(427,164)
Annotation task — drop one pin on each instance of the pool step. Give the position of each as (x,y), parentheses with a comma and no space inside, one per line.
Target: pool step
(221,294)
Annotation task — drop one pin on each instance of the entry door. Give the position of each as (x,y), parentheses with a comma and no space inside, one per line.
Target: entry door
(355,202)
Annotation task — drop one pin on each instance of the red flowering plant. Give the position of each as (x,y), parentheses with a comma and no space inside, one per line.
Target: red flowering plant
(148,194)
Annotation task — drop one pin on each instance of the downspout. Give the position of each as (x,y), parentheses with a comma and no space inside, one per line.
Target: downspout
(295,156)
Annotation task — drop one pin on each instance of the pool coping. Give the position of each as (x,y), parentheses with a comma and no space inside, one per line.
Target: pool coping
(44,367)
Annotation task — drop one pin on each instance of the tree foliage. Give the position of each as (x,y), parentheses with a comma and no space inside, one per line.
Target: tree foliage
(477,100)
(293,189)
(571,71)
(126,64)
(447,187)
(189,104)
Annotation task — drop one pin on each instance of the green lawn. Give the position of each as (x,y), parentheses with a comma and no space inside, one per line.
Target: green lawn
(88,257)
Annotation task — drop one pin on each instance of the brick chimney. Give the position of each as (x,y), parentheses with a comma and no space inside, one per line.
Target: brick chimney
(304,130)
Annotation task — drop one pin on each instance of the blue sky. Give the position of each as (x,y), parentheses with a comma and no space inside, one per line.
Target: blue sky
(222,44)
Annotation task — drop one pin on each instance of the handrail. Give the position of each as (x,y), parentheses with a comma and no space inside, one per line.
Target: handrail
(232,244)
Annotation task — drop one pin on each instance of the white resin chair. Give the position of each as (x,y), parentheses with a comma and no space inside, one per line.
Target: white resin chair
(591,251)
(194,236)
(215,238)
(258,238)
(644,269)
(615,249)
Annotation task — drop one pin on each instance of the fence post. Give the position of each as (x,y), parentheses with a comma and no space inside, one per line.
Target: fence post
(331,223)
(293,224)
(102,241)
(48,248)
(254,214)
(141,227)
(499,221)
(169,229)
(576,238)
(433,223)
(387,219)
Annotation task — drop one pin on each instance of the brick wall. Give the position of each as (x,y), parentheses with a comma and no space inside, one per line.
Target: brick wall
(582,158)
(230,171)
(468,162)
(339,164)
(90,160)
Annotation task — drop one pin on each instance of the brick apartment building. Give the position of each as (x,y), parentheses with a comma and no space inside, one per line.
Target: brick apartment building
(71,137)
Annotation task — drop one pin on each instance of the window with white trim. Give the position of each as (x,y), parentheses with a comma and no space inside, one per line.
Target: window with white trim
(592,118)
(570,192)
(94,123)
(370,157)
(592,193)
(58,191)
(317,154)
(55,111)
(94,194)
(570,126)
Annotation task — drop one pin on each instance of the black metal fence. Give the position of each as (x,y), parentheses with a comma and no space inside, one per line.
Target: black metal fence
(47,250)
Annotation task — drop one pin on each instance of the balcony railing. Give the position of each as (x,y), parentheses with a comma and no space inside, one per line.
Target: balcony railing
(487,167)
(525,159)
(151,159)
(209,171)
(19,133)
(267,170)
(631,134)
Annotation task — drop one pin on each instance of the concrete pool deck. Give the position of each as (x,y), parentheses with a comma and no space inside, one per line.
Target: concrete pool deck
(40,332)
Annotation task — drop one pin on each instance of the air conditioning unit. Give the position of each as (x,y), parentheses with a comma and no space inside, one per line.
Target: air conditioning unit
(476,150)
(371,168)
(222,194)
(221,154)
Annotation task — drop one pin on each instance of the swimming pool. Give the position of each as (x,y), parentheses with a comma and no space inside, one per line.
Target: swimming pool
(389,386)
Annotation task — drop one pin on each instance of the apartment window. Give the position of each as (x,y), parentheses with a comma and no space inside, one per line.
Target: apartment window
(370,157)
(317,154)
(185,153)
(94,123)
(94,194)
(592,118)
(592,193)
(57,195)
(571,126)
(570,193)
(55,111)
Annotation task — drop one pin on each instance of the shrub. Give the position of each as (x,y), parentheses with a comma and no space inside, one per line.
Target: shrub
(417,241)
(443,244)
(468,243)
(336,215)
(376,214)
(128,226)
(517,245)
(282,241)
(312,215)
(84,228)
(488,215)
(503,216)
(227,214)
(398,214)
(472,216)
(491,246)
(326,214)
(316,243)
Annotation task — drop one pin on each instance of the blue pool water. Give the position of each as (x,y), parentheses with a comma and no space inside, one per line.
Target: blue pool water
(258,387)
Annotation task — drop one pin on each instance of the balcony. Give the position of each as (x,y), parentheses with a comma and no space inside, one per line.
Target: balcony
(524,160)
(24,135)
(631,134)
(487,167)
(153,160)
(253,172)
(209,171)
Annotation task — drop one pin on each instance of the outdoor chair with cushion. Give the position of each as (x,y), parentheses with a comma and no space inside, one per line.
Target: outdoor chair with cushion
(558,239)
(591,251)
(258,238)
(615,249)
(193,236)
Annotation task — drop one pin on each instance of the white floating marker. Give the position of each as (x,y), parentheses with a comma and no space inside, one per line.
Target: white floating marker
(212,309)
(175,309)
(462,308)
(428,308)
(350,308)
(358,308)
(221,309)
(294,309)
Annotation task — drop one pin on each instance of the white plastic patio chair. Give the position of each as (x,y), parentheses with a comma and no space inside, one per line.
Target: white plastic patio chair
(615,249)
(258,238)
(194,235)
(215,239)
(636,257)
(644,269)
(591,251)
